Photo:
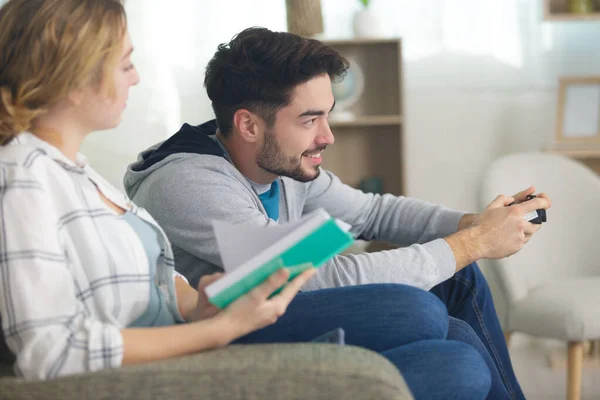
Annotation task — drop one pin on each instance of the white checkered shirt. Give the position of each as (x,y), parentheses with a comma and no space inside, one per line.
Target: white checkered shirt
(72,273)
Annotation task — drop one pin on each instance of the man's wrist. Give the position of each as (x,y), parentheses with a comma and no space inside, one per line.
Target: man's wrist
(466,221)
(465,246)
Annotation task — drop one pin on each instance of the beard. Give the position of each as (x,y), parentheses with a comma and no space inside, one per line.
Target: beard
(272,159)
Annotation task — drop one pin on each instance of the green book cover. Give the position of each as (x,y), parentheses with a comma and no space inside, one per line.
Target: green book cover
(312,248)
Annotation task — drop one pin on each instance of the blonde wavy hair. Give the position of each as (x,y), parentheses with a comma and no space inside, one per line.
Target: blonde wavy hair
(49,48)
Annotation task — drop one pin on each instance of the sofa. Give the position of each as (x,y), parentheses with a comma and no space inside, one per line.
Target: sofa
(252,372)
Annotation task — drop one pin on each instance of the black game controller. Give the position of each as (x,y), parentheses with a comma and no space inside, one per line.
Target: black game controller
(535,217)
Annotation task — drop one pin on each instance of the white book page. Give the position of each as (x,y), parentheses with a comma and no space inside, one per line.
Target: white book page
(295,232)
(239,243)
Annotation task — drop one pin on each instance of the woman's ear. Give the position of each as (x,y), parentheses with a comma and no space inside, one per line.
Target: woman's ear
(75,97)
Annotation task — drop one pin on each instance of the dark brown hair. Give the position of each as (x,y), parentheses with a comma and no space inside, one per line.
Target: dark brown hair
(259,69)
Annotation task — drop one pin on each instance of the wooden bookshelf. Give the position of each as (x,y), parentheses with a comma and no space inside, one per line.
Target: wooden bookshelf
(370,144)
(558,10)
(367,120)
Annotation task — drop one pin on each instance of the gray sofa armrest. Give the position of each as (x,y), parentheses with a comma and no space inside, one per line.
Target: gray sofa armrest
(249,372)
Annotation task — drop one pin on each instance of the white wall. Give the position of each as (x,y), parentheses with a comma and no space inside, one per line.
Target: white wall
(480,78)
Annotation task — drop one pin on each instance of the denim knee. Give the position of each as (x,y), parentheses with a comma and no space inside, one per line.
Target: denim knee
(442,370)
(427,313)
(469,373)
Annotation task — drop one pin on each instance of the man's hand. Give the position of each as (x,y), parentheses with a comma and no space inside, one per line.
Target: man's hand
(502,231)
(499,231)
(521,197)
(469,219)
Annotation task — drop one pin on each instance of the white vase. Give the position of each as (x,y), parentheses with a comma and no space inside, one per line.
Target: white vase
(367,24)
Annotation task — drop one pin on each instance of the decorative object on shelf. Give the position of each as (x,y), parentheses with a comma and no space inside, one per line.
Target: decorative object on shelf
(581,6)
(373,184)
(571,10)
(304,17)
(348,92)
(578,111)
(366,23)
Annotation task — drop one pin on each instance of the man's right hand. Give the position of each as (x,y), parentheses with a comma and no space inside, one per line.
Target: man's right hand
(501,231)
(498,232)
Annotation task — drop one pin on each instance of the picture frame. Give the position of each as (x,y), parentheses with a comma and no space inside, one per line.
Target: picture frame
(578,110)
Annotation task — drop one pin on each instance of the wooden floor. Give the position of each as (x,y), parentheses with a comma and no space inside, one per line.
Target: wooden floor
(539,381)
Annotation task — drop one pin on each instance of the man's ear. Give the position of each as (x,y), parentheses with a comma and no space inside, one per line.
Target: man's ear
(249,125)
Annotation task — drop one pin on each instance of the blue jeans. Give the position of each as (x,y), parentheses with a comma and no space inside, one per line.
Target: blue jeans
(468,298)
(405,324)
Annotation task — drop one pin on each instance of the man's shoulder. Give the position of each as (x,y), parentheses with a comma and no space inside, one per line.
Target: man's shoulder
(200,165)
(197,175)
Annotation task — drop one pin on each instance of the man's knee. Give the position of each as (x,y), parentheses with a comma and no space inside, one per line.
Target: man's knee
(443,369)
(426,312)
(470,374)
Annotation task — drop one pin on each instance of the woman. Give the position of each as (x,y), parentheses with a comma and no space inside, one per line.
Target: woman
(86,277)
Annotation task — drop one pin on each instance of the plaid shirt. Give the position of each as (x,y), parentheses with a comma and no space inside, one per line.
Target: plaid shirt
(72,273)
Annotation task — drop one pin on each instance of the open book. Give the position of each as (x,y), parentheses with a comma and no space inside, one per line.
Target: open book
(250,254)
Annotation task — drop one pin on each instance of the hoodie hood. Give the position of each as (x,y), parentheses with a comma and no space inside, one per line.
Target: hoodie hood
(189,140)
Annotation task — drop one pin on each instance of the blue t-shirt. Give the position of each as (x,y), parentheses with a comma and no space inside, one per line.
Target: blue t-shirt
(158,312)
(270,201)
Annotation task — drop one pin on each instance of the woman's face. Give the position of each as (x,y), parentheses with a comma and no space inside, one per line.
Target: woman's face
(103,111)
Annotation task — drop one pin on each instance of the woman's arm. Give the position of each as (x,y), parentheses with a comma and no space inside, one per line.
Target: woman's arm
(193,304)
(142,345)
(253,311)
(187,299)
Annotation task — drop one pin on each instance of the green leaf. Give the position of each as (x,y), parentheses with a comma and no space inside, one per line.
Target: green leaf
(365,3)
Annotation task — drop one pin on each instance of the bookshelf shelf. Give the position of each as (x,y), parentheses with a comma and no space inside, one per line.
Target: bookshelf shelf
(367,120)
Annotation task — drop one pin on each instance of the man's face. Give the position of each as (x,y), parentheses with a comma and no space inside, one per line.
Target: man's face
(293,146)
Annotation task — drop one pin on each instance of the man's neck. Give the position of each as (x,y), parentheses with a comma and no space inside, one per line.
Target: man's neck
(243,158)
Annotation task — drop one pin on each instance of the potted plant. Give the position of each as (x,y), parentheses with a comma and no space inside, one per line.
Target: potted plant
(366,23)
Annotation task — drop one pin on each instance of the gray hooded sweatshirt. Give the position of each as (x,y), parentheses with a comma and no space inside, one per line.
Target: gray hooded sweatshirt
(188,181)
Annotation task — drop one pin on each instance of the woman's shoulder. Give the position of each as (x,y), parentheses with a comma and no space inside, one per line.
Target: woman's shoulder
(23,160)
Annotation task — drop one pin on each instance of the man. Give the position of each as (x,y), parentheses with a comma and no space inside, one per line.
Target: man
(259,163)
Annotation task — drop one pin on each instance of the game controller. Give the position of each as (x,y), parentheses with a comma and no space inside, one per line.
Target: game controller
(536,216)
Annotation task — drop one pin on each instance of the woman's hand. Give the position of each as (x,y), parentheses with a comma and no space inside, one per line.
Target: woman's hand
(204,308)
(213,327)
(255,310)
